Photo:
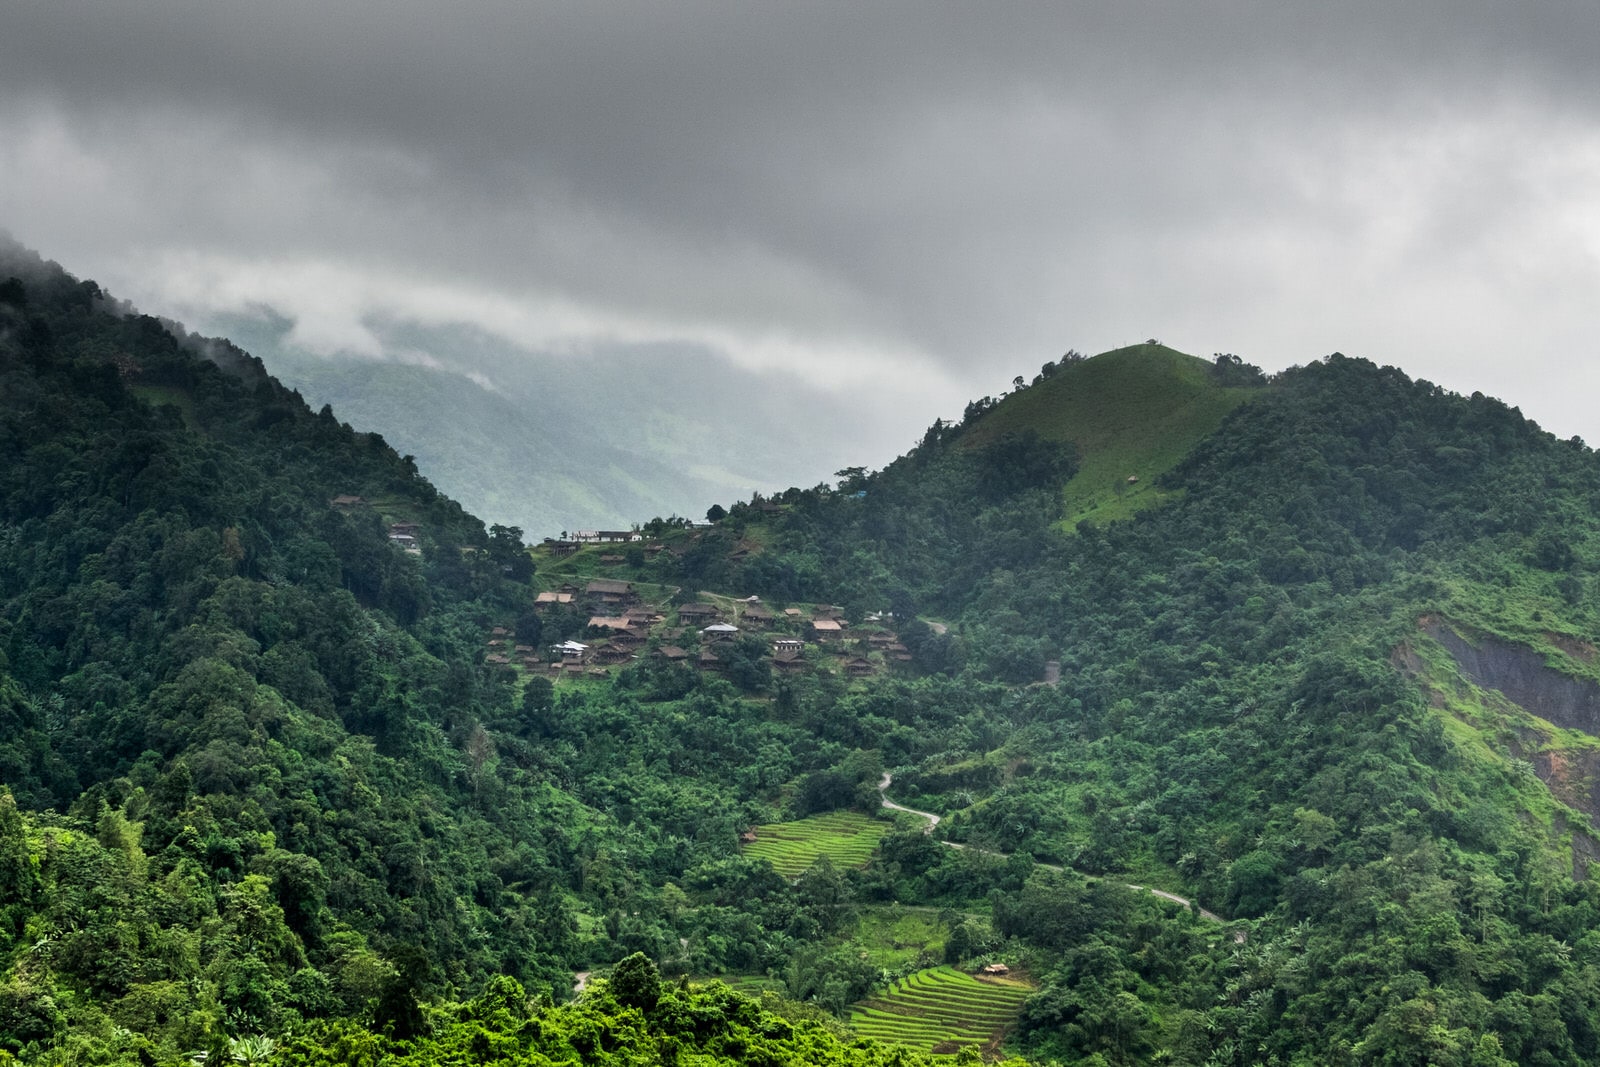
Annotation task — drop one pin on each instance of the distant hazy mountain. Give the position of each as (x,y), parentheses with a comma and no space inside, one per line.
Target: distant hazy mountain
(552,443)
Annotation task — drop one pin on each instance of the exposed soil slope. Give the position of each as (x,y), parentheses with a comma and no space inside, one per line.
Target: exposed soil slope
(1526,680)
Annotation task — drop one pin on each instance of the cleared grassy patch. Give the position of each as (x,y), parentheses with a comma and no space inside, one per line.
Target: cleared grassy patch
(892,935)
(171,396)
(847,838)
(752,985)
(941,1010)
(1134,411)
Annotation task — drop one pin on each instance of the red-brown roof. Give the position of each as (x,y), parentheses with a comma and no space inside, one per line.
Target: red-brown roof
(609,587)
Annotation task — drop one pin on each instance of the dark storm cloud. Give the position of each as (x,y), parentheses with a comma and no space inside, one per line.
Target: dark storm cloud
(967,188)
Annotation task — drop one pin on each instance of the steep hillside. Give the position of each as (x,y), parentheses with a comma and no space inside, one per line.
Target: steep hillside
(216,667)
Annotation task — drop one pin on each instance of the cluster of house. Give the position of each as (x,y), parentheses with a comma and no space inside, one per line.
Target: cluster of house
(606,537)
(621,626)
(567,546)
(504,650)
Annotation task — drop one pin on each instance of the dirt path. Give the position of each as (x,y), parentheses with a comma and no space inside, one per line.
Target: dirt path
(934,820)
(1176,899)
(883,787)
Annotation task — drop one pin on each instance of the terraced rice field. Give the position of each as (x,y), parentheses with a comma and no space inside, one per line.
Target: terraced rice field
(941,1010)
(845,837)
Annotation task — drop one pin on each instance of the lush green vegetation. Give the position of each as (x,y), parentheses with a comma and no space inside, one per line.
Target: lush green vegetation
(261,783)
(847,838)
(1237,719)
(633,1018)
(257,771)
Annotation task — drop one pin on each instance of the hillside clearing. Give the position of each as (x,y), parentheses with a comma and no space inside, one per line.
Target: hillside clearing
(847,838)
(1132,413)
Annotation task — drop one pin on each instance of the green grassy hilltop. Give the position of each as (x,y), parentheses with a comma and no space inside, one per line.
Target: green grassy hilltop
(1130,413)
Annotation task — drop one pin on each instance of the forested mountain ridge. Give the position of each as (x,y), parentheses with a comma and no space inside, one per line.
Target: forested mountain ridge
(273,793)
(213,677)
(1266,689)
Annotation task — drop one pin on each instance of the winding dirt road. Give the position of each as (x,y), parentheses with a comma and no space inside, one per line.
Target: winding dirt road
(883,791)
(934,820)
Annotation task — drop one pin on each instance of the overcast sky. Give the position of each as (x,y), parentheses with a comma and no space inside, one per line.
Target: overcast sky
(919,199)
